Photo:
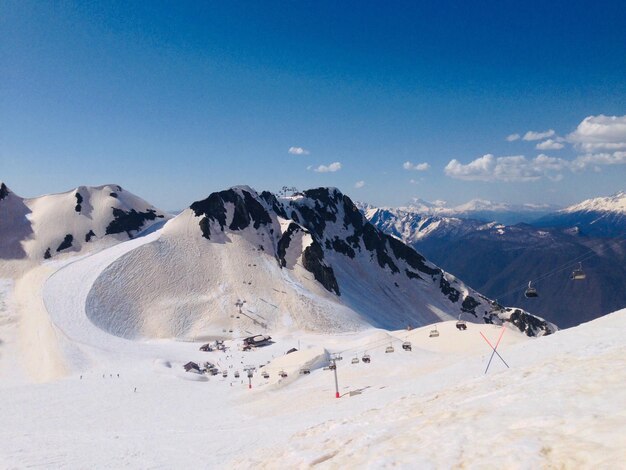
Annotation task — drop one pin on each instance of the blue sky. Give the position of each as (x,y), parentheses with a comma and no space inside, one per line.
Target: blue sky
(174,100)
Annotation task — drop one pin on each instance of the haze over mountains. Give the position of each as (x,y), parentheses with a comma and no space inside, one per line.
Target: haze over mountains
(500,259)
(482,209)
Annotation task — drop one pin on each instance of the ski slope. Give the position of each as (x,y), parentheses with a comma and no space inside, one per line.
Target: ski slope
(107,401)
(560,405)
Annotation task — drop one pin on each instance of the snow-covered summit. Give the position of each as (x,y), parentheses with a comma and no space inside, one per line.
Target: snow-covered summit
(601,216)
(42,227)
(614,203)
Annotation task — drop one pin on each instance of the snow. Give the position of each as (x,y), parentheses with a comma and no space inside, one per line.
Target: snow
(91,376)
(29,227)
(560,405)
(179,284)
(615,203)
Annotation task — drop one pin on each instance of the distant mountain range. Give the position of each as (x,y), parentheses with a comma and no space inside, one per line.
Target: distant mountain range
(500,259)
(481,209)
(598,217)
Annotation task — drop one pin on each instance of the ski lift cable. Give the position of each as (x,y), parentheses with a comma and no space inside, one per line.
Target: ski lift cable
(372,345)
(366,347)
(563,267)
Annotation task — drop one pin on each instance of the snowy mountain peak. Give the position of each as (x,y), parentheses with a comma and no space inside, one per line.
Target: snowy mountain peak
(320,257)
(614,203)
(421,205)
(41,227)
(481,205)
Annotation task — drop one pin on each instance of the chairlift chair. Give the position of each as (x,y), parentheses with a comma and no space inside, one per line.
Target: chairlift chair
(225,373)
(578,274)
(355,360)
(305,371)
(236,374)
(265,375)
(530,292)
(283,374)
(406,346)
(389,349)
(461,324)
(366,358)
(433,333)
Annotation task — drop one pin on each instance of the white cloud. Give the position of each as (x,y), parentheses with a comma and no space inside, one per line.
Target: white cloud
(593,160)
(359,184)
(532,135)
(600,141)
(298,151)
(415,166)
(335,166)
(480,169)
(515,168)
(512,137)
(597,133)
(549,145)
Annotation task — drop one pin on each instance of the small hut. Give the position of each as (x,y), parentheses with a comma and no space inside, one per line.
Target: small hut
(192,367)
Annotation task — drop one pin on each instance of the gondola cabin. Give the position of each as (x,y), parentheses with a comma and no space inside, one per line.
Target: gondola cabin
(531,292)
(578,274)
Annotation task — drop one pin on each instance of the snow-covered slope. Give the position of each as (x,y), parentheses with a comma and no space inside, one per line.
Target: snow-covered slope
(310,262)
(43,227)
(559,406)
(602,216)
(615,203)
